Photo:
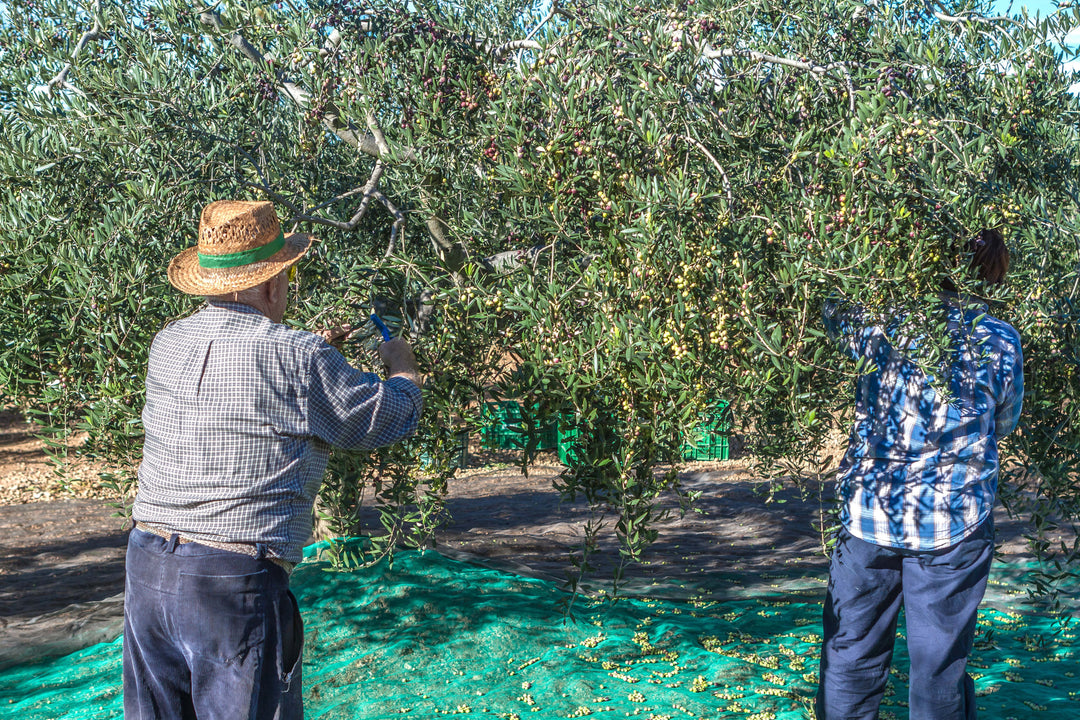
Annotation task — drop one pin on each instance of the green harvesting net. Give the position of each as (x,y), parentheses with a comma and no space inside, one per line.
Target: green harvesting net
(433,636)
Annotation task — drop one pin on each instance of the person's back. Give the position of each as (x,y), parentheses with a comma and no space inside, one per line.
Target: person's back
(916,489)
(239,418)
(920,471)
(239,421)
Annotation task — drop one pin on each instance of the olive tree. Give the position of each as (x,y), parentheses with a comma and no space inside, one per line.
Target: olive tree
(615,214)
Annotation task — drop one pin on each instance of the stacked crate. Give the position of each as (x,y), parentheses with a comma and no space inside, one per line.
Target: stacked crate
(709,439)
(506,428)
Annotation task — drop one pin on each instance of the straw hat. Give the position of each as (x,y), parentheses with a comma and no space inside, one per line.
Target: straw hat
(241,245)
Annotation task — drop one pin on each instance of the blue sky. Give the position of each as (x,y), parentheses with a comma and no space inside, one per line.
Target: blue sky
(1042,7)
(1045,7)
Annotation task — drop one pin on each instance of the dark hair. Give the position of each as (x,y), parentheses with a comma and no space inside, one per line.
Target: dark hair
(989,258)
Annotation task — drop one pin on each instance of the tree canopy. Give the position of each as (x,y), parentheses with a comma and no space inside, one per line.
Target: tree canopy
(618,214)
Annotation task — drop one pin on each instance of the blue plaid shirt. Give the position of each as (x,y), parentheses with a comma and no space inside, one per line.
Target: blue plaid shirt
(921,468)
(240,416)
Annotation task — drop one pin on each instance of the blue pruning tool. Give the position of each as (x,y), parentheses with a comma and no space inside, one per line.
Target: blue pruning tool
(386,336)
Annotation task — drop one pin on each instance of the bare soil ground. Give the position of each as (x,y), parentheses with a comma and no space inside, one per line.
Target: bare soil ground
(62,545)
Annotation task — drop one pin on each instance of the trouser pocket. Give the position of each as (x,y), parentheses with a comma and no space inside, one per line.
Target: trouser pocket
(222,617)
(292,641)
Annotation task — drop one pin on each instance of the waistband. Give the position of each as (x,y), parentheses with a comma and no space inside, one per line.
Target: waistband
(248,549)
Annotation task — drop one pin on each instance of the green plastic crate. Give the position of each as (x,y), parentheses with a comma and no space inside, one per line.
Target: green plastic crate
(576,449)
(709,439)
(569,450)
(506,428)
(460,452)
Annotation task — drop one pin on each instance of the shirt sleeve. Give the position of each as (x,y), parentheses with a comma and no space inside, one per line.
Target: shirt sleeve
(1008,410)
(356,410)
(865,337)
(844,323)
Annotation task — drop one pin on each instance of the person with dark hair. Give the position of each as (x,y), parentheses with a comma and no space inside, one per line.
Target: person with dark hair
(989,259)
(917,487)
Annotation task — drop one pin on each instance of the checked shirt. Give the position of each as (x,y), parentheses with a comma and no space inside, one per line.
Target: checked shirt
(921,468)
(240,416)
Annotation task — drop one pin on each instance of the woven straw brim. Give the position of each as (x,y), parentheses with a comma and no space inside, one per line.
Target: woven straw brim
(187,276)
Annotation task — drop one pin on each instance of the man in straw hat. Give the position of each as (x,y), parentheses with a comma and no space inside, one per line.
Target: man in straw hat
(240,416)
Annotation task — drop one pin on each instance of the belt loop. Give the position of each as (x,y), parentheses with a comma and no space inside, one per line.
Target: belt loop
(260,551)
(174,540)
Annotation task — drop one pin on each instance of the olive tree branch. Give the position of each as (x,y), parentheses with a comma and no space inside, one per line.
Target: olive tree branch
(274,195)
(97,32)
(968,16)
(373,144)
(850,88)
(772,59)
(377,133)
(509,260)
(449,251)
(515,45)
(368,191)
(528,42)
(547,18)
(331,120)
(816,70)
(715,162)
(332,44)
(348,193)
(399,221)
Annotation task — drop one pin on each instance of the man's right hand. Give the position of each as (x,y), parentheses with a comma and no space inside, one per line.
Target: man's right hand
(398,356)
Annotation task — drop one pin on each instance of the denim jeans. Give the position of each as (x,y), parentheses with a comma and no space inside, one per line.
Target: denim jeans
(208,634)
(940,591)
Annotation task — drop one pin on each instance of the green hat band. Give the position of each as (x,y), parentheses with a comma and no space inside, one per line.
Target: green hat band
(244,257)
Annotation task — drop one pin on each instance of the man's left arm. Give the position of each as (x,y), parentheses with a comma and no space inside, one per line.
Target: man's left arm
(1008,411)
(846,323)
(357,410)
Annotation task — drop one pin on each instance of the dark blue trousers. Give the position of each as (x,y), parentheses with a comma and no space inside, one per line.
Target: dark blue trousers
(940,592)
(208,634)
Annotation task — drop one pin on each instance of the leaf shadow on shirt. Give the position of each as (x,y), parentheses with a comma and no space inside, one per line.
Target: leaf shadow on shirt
(920,444)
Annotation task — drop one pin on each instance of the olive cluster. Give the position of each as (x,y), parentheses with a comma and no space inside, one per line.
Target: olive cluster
(890,80)
(265,86)
(345,14)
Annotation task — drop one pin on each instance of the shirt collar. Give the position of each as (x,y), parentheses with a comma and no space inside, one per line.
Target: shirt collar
(963,301)
(233,306)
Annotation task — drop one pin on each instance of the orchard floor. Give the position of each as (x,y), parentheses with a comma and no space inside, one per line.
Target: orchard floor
(61,558)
